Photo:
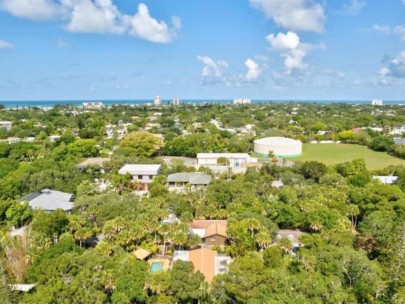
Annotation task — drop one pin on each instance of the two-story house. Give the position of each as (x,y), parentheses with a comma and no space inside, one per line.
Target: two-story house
(212,232)
(142,174)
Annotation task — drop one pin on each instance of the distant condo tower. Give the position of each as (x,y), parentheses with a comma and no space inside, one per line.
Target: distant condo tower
(175,102)
(377,102)
(156,101)
(93,105)
(241,101)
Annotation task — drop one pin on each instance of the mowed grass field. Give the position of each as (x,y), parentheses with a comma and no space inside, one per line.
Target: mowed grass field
(331,154)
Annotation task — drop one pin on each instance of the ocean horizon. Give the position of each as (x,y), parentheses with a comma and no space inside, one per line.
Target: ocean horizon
(109,102)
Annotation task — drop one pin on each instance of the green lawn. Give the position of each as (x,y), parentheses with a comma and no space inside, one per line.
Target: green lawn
(337,153)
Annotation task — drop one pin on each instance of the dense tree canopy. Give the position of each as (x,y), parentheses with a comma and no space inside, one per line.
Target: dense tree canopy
(353,231)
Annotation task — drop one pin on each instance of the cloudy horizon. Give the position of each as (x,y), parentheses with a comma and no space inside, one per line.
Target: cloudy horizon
(258,49)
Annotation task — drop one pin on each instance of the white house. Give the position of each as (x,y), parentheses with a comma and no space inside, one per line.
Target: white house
(13,140)
(54,138)
(387,179)
(397,130)
(233,159)
(6,124)
(143,174)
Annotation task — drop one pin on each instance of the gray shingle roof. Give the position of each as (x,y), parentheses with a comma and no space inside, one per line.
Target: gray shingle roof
(399,141)
(192,178)
(49,200)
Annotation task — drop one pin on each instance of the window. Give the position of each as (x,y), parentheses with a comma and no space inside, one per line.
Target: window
(212,239)
(150,176)
(139,176)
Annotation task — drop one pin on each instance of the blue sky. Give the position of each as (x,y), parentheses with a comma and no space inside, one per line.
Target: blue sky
(202,49)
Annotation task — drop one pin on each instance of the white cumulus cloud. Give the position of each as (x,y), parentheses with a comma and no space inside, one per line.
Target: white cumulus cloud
(295,15)
(254,70)
(36,10)
(388,30)
(142,25)
(395,68)
(6,45)
(213,71)
(99,16)
(96,16)
(291,49)
(283,41)
(354,7)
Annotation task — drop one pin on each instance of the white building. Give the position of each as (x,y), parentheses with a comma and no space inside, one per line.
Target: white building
(143,174)
(397,130)
(233,159)
(240,101)
(157,101)
(13,140)
(175,102)
(386,179)
(6,124)
(54,138)
(93,105)
(29,139)
(280,146)
(377,102)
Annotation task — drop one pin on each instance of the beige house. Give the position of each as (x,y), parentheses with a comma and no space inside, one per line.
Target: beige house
(142,174)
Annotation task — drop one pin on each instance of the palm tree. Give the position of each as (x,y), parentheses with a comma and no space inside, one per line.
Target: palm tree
(164,230)
(353,211)
(180,239)
(75,222)
(263,239)
(83,234)
(252,225)
(285,244)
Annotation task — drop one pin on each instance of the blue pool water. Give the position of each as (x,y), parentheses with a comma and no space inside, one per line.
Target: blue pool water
(156,267)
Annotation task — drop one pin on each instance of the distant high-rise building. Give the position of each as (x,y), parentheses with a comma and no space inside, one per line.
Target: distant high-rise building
(157,101)
(240,101)
(175,102)
(93,105)
(377,102)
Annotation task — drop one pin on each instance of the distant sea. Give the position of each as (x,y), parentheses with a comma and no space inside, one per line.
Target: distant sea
(52,103)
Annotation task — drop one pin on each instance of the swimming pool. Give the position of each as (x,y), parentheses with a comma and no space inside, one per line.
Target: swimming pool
(156,267)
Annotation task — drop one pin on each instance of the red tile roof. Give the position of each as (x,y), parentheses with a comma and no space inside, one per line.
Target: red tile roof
(212,227)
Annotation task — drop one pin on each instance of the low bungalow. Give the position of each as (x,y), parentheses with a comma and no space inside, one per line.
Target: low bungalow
(22,287)
(206,261)
(292,235)
(386,179)
(49,200)
(142,174)
(397,130)
(179,181)
(399,141)
(93,161)
(6,125)
(211,232)
(277,184)
(233,159)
